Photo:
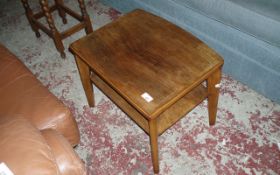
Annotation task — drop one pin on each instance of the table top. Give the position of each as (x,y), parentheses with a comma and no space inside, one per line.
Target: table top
(149,61)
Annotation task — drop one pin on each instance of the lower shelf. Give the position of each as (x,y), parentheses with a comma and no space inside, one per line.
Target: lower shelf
(179,109)
(167,118)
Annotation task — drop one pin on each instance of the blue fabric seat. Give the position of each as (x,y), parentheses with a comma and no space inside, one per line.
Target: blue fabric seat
(259,18)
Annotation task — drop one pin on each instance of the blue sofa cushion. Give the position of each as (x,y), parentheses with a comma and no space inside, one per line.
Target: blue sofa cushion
(259,18)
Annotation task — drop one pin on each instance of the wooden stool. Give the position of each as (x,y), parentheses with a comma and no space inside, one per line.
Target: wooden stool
(52,30)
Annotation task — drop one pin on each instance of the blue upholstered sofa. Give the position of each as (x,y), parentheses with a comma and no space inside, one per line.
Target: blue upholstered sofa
(245,32)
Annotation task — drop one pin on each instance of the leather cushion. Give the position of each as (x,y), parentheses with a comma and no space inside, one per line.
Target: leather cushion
(23,148)
(22,94)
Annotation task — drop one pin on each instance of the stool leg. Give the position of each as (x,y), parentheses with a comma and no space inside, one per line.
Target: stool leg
(154,144)
(85,16)
(61,12)
(29,14)
(213,95)
(55,35)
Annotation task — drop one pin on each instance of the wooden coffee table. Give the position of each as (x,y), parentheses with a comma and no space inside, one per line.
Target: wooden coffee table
(153,70)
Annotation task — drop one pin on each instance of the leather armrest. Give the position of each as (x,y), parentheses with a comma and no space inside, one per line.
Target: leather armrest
(22,94)
(23,149)
(67,159)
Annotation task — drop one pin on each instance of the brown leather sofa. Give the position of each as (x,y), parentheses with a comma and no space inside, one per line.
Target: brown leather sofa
(37,131)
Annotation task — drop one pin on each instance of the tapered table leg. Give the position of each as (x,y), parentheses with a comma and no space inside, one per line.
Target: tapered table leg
(84,71)
(213,95)
(154,144)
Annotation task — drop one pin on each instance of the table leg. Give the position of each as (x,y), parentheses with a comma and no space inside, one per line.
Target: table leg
(84,71)
(154,144)
(213,95)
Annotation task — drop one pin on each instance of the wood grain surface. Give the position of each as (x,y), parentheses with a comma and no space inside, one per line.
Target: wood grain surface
(140,53)
(143,54)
